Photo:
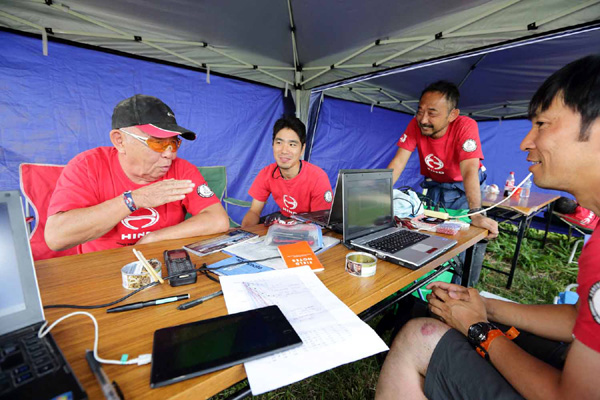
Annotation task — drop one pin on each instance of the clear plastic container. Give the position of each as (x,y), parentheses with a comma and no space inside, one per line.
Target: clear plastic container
(279,234)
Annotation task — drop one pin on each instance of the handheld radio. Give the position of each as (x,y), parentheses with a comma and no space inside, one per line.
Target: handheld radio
(178,262)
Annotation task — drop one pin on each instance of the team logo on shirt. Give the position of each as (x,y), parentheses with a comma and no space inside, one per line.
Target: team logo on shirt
(403,138)
(469,145)
(328,196)
(433,162)
(133,221)
(594,301)
(204,191)
(289,202)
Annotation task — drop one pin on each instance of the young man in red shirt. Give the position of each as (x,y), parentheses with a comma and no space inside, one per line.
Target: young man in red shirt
(297,186)
(556,354)
(137,191)
(449,152)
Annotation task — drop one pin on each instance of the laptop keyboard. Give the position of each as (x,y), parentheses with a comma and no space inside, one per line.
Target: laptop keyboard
(397,241)
(22,359)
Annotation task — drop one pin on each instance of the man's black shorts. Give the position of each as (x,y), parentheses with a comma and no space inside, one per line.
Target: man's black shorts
(456,371)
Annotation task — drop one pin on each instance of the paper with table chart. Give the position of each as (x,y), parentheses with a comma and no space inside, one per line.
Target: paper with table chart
(331,333)
(255,249)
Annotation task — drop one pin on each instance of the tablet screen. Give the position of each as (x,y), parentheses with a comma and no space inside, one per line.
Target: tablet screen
(186,351)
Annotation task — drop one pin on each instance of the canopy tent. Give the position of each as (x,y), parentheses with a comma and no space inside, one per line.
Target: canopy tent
(385,50)
(311,44)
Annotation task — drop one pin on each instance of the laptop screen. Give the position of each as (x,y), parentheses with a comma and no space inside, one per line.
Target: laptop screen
(20,303)
(367,202)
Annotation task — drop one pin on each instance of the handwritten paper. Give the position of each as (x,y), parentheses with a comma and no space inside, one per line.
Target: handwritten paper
(331,333)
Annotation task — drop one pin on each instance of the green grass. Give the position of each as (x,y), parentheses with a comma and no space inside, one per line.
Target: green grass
(542,273)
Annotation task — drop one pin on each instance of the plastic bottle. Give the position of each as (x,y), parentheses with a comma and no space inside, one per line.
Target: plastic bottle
(509,186)
(526,189)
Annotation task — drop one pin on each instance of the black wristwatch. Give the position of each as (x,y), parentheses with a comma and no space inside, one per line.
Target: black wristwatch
(478,333)
(473,210)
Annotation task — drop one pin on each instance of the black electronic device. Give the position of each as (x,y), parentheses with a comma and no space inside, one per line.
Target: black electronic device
(186,351)
(179,262)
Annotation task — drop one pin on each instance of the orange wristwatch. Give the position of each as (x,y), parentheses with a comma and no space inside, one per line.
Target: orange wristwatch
(481,335)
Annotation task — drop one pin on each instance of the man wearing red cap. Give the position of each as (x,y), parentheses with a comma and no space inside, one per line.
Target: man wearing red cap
(137,191)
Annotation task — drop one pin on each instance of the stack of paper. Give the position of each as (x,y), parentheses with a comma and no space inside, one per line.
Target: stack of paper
(331,333)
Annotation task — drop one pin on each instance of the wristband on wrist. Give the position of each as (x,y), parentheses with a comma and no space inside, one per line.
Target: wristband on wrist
(512,333)
(484,346)
(128,199)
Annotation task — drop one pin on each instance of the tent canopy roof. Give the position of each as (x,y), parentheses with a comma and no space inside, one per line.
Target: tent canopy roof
(298,42)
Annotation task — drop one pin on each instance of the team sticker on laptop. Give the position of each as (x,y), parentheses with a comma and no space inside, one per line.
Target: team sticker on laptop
(361,264)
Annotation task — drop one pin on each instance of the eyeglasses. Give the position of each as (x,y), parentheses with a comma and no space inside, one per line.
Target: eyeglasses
(156,144)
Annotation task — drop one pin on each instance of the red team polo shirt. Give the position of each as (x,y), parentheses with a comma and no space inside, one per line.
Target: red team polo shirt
(587,324)
(440,158)
(309,191)
(95,176)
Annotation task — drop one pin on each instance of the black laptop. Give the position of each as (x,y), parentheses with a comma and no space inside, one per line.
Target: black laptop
(368,222)
(30,368)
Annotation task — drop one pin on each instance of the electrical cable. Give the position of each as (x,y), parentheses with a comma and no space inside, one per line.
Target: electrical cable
(497,204)
(140,360)
(200,269)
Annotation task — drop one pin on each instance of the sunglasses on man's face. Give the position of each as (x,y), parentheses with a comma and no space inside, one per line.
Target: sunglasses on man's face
(156,144)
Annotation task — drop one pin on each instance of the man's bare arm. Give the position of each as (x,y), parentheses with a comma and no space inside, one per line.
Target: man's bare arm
(469,169)
(213,219)
(252,217)
(551,321)
(461,307)
(398,163)
(70,228)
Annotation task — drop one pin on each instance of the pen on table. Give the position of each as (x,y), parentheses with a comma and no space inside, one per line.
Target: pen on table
(142,304)
(201,300)
(110,391)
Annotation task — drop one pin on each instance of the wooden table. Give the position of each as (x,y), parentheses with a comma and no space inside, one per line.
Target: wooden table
(95,278)
(521,211)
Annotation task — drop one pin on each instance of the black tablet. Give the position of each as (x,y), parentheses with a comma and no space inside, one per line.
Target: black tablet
(186,351)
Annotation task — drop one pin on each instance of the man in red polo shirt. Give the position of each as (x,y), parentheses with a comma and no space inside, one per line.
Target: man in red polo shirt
(137,191)
(449,152)
(492,349)
(297,186)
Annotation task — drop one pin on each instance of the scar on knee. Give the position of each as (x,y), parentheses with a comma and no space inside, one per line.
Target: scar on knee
(428,328)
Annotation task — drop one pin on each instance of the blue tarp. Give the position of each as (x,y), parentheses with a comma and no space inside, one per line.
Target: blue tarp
(54,107)
(349,135)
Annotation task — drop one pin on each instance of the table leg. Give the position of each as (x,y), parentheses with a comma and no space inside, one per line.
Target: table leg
(522,224)
(466,270)
(550,210)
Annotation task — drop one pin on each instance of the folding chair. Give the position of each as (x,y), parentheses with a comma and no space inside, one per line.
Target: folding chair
(585,232)
(216,178)
(37,183)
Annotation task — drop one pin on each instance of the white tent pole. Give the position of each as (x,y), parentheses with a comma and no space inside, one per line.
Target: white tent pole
(485,32)
(405,39)
(125,36)
(41,28)
(566,12)
(457,27)
(364,96)
(315,76)
(515,115)
(274,76)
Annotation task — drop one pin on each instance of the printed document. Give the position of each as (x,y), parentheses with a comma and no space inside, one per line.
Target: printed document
(257,250)
(331,333)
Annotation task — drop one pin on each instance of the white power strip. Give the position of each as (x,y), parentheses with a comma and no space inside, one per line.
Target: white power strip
(436,214)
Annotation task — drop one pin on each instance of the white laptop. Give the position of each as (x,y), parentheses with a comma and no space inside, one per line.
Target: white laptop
(30,368)
(368,222)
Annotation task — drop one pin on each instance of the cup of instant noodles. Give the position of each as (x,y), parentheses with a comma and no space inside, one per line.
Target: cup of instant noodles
(135,275)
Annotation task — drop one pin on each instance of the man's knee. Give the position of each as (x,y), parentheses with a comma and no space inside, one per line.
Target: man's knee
(419,337)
